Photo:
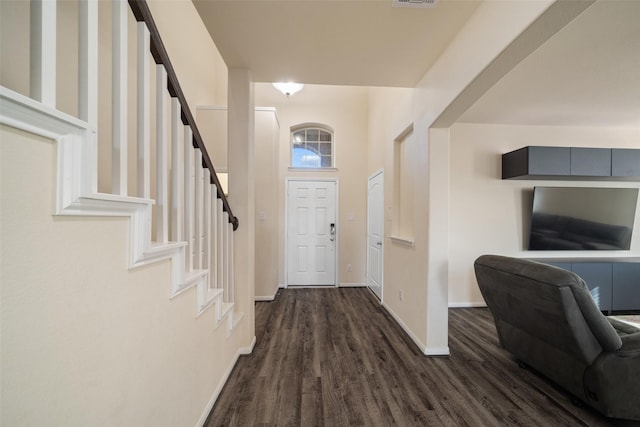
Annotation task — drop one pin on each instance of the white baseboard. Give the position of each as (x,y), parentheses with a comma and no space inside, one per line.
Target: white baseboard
(268,297)
(420,344)
(467,304)
(427,351)
(351,285)
(216,393)
(436,351)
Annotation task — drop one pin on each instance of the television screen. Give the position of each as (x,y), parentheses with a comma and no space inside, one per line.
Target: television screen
(582,218)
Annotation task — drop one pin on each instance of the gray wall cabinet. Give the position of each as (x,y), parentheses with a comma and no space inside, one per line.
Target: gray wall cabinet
(572,163)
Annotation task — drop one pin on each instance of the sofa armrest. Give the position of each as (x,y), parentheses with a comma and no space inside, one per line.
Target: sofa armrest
(612,382)
(630,346)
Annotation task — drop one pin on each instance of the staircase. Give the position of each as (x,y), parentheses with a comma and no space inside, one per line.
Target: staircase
(177,208)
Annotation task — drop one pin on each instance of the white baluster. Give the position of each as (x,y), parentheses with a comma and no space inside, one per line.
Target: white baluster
(43,52)
(206,231)
(177,193)
(230,262)
(162,205)
(225,265)
(188,198)
(144,112)
(197,247)
(119,98)
(213,236)
(88,62)
(220,244)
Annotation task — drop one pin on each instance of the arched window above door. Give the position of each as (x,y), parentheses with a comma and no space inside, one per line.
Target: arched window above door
(312,146)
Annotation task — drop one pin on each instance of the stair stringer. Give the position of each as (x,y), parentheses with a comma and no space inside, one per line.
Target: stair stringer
(77,195)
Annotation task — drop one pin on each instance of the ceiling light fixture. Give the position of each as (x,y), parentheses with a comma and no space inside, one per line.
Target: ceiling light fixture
(288,88)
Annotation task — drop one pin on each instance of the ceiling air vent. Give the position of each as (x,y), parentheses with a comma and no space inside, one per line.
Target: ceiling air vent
(415,3)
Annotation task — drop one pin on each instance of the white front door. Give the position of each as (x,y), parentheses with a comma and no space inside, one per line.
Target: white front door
(375,232)
(311,233)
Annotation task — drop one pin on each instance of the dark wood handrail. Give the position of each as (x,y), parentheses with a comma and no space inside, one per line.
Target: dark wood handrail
(141,12)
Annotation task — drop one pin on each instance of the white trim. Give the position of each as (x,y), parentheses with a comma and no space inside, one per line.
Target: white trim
(294,169)
(286,223)
(467,304)
(376,173)
(403,240)
(437,351)
(427,351)
(369,178)
(405,132)
(216,393)
(352,285)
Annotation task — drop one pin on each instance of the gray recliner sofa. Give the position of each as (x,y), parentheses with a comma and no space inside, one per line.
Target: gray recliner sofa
(546,318)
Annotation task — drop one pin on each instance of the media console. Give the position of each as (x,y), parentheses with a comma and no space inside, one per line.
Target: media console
(613,282)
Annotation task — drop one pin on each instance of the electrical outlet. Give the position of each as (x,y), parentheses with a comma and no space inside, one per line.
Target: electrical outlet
(401,295)
(348,267)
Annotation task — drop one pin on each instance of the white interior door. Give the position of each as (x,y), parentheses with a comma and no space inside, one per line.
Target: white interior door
(375,232)
(311,233)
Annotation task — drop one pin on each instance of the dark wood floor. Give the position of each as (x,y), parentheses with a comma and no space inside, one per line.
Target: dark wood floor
(334,357)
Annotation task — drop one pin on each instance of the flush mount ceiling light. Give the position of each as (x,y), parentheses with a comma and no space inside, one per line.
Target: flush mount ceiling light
(288,88)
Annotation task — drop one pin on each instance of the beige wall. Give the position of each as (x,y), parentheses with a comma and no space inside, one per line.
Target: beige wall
(345,110)
(489,215)
(192,52)
(84,339)
(268,212)
(421,271)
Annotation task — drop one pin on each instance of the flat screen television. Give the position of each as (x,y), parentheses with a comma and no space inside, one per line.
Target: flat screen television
(582,218)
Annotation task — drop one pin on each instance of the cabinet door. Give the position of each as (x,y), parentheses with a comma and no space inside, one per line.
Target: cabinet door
(590,161)
(598,277)
(626,286)
(549,161)
(625,162)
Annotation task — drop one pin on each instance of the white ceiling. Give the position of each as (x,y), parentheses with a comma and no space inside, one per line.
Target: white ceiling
(588,74)
(334,42)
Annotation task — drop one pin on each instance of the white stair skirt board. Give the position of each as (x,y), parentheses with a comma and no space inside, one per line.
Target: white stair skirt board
(241,352)
(76,189)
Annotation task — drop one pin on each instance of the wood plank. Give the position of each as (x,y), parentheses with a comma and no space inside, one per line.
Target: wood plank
(334,357)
